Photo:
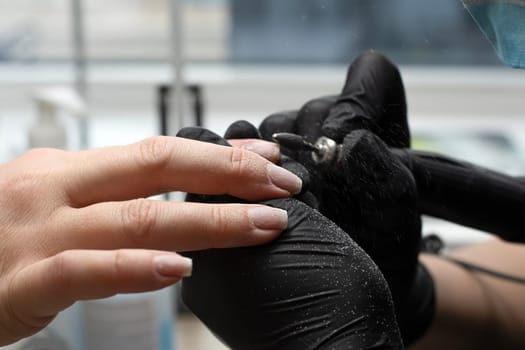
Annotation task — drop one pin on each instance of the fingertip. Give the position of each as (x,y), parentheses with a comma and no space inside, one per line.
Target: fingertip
(173,266)
(265,149)
(268,219)
(284,179)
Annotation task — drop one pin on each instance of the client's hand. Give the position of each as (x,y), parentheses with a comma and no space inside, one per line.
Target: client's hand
(75,226)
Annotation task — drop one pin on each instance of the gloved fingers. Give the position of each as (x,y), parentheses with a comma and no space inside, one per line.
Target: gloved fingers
(242,129)
(372,98)
(278,122)
(312,115)
(202,134)
(268,150)
(306,122)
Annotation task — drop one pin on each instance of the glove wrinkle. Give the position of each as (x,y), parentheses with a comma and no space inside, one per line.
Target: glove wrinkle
(302,291)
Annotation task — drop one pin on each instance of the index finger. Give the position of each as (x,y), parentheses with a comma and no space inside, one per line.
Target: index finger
(162,164)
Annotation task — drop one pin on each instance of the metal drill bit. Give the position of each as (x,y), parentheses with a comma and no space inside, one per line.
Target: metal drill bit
(324,150)
(293,141)
(327,150)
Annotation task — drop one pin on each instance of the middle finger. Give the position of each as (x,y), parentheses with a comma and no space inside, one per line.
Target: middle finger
(152,224)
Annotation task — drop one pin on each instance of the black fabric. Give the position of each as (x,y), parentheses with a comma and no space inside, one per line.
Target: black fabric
(467,194)
(311,288)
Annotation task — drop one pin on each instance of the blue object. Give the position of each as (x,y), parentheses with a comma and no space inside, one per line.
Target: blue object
(503,23)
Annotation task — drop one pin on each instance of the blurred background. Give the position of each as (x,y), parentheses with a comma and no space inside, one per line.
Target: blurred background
(95,73)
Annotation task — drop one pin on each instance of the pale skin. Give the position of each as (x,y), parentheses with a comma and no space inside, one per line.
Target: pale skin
(76,225)
(474,310)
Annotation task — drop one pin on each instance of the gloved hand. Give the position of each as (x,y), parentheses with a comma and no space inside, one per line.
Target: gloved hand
(311,288)
(372,98)
(245,130)
(367,190)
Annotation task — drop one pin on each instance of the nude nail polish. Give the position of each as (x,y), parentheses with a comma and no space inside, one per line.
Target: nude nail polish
(173,265)
(284,179)
(265,149)
(268,218)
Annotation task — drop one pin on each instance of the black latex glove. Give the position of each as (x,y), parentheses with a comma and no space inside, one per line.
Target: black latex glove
(311,288)
(467,194)
(367,187)
(243,130)
(372,98)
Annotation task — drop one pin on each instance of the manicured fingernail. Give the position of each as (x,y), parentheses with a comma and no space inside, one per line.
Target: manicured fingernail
(173,265)
(268,150)
(268,218)
(284,179)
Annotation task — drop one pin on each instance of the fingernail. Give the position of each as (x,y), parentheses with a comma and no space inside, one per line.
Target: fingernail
(284,179)
(268,218)
(268,150)
(173,265)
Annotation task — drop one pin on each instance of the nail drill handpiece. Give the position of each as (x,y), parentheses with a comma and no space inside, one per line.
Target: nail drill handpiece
(324,150)
(293,141)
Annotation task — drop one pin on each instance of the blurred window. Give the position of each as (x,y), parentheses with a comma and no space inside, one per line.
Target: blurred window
(409,31)
(269,31)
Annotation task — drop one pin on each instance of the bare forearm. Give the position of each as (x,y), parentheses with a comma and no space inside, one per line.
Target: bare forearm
(476,310)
